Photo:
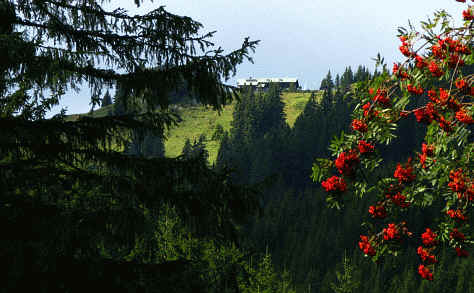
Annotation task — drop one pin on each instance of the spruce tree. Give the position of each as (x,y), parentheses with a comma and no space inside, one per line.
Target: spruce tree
(187,149)
(360,74)
(239,130)
(196,151)
(224,154)
(218,132)
(71,200)
(327,84)
(150,145)
(347,79)
(306,136)
(153,146)
(273,110)
(106,100)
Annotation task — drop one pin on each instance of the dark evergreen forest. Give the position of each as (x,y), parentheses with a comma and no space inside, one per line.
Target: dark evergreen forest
(91,204)
(318,245)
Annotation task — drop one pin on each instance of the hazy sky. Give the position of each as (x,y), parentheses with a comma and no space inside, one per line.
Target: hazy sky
(300,38)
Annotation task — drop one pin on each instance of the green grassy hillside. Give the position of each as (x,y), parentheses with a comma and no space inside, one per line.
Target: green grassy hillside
(197,120)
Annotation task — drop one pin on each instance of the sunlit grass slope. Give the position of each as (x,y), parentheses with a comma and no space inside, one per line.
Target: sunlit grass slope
(198,120)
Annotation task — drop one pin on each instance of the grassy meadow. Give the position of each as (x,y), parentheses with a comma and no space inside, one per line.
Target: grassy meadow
(197,120)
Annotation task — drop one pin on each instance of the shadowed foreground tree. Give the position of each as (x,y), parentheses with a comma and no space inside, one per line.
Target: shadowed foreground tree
(77,213)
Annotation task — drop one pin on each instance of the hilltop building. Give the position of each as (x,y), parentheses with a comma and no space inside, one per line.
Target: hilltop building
(264,83)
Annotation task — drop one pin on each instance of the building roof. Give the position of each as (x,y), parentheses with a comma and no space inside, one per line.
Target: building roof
(256,81)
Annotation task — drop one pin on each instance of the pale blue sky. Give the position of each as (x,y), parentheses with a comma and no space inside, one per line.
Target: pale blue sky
(300,38)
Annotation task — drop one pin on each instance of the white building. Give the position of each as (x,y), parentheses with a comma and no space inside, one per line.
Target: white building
(264,83)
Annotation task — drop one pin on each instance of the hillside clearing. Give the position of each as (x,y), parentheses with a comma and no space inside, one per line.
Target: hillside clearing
(197,120)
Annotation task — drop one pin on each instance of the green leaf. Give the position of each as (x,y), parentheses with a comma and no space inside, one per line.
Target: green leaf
(316,175)
(320,169)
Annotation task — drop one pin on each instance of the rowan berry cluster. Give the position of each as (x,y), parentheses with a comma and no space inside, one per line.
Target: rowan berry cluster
(425,272)
(334,184)
(456,214)
(391,232)
(359,125)
(458,184)
(381,98)
(442,173)
(427,151)
(365,147)
(366,246)
(404,174)
(346,162)
(399,200)
(414,90)
(378,211)
(425,255)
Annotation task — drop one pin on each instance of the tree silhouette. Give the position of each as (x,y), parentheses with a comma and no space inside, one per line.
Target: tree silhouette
(106,100)
(72,201)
